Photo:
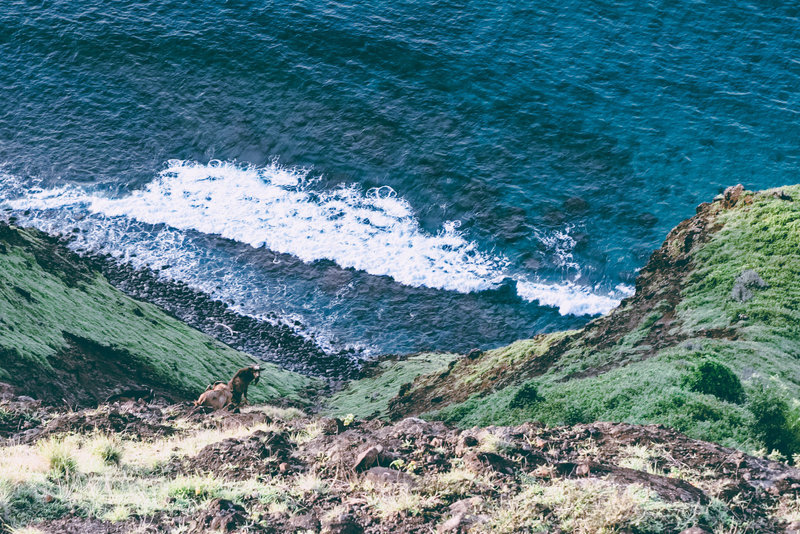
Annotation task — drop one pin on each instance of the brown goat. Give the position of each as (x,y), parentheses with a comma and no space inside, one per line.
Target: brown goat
(216,396)
(220,395)
(243,378)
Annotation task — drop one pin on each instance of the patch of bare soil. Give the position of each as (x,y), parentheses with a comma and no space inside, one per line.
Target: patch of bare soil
(86,374)
(415,457)
(133,419)
(260,453)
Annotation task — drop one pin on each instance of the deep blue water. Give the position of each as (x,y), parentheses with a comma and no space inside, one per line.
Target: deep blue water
(474,173)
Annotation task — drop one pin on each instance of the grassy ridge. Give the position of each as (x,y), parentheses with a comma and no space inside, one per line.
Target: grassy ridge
(369,397)
(632,365)
(48,295)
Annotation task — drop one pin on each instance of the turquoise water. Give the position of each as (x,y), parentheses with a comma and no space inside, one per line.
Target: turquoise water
(393,176)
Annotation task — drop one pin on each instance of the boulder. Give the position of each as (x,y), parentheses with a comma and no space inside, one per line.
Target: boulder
(732,195)
(383,476)
(221,515)
(368,458)
(331,426)
(342,524)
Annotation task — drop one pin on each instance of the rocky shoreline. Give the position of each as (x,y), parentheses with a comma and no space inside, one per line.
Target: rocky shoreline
(271,341)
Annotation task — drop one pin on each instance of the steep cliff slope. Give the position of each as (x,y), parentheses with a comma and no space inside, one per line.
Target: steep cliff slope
(68,336)
(708,342)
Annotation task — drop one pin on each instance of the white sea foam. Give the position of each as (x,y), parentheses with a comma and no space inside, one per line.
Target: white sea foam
(278,208)
(568,297)
(561,245)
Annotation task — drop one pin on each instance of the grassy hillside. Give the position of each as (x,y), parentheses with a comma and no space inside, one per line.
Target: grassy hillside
(648,361)
(66,333)
(370,396)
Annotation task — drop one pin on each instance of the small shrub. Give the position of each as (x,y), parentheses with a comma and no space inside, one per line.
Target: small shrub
(195,488)
(117,514)
(573,415)
(712,378)
(525,396)
(774,423)
(701,410)
(560,412)
(744,285)
(109,451)
(59,456)
(28,503)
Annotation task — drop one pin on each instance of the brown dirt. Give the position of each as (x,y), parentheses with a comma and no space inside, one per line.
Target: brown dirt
(680,469)
(258,454)
(129,419)
(86,373)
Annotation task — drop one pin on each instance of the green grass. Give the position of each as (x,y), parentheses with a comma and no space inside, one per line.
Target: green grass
(369,397)
(38,307)
(632,381)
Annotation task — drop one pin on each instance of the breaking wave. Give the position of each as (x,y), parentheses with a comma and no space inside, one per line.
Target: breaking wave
(279,208)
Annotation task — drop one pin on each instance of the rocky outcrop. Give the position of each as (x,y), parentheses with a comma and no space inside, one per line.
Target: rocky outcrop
(415,475)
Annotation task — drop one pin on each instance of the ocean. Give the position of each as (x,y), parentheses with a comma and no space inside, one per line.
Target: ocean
(392,177)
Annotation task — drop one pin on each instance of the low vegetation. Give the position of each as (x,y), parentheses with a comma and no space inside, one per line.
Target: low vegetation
(60,318)
(275,470)
(510,439)
(370,396)
(686,351)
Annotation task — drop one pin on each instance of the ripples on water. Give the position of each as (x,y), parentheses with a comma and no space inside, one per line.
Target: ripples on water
(537,154)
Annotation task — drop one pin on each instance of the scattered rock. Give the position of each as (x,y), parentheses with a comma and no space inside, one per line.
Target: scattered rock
(342,524)
(481,462)
(143,421)
(745,284)
(368,458)
(466,506)
(415,427)
(583,469)
(331,425)
(240,458)
(732,195)
(464,515)
(304,522)
(454,524)
(474,354)
(669,489)
(369,446)
(465,443)
(696,530)
(385,477)
(221,515)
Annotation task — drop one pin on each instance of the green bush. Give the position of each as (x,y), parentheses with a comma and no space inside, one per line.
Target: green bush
(59,456)
(109,451)
(525,396)
(561,412)
(713,378)
(774,422)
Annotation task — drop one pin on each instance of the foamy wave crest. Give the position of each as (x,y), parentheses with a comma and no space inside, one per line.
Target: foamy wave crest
(278,208)
(568,297)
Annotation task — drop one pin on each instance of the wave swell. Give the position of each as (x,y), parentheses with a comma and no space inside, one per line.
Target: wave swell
(278,208)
